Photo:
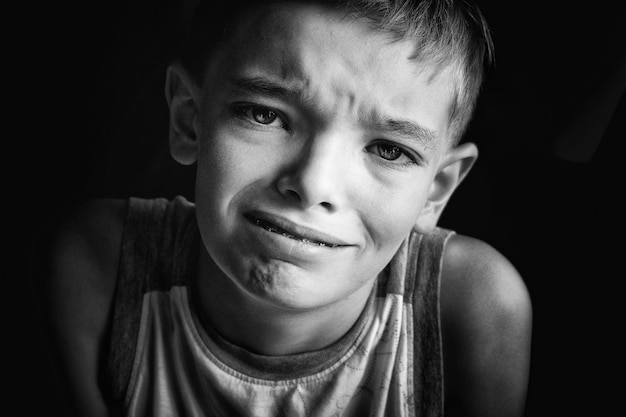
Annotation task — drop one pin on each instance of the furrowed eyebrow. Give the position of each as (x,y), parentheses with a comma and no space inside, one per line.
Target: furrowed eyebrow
(264,87)
(402,128)
(405,129)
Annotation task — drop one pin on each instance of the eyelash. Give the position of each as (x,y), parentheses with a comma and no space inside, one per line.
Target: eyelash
(242,110)
(411,158)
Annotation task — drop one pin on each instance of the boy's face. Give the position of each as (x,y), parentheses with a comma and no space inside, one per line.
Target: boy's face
(318,143)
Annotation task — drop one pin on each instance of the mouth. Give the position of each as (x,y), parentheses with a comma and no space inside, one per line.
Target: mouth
(287,229)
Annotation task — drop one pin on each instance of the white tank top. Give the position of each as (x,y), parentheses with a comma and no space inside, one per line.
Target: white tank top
(166,361)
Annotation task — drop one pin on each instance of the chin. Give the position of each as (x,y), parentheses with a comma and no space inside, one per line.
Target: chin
(286,286)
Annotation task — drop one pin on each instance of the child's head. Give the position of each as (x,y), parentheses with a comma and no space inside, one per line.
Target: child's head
(452,34)
(321,141)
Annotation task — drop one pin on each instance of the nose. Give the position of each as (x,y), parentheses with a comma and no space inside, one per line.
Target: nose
(316,176)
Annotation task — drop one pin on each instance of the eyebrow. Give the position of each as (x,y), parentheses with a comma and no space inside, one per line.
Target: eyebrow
(406,129)
(264,87)
(403,128)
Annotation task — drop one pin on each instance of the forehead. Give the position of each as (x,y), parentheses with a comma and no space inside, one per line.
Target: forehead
(336,63)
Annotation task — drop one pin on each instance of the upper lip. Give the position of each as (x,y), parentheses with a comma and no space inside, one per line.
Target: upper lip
(297,230)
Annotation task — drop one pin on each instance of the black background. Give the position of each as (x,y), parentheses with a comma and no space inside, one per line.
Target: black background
(84,116)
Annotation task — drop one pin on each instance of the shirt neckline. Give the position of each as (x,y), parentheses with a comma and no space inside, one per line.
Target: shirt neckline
(280,367)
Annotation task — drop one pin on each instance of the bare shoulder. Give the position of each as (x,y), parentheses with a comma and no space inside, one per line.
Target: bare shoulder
(477,276)
(84,257)
(486,325)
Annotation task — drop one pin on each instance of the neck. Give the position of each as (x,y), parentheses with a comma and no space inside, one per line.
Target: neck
(267,329)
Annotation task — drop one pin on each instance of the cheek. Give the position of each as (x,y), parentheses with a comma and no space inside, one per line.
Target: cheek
(392,212)
(227,166)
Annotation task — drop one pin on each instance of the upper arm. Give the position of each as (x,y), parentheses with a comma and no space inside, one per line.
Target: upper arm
(486,326)
(84,257)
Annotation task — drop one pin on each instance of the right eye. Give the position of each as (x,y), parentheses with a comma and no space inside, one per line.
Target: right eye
(262,115)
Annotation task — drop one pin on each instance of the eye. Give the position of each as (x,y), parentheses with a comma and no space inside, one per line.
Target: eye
(388,152)
(391,152)
(260,115)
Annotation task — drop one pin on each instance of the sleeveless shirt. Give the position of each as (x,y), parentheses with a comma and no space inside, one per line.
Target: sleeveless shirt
(165,360)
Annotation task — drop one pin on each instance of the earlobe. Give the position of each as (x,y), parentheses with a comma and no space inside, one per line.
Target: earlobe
(452,170)
(183,101)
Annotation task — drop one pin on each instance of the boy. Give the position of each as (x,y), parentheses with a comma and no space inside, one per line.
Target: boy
(309,278)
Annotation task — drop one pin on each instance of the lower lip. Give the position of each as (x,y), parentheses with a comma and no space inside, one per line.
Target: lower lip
(286,248)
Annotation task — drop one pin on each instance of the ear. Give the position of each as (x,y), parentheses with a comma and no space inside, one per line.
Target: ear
(451,171)
(182,95)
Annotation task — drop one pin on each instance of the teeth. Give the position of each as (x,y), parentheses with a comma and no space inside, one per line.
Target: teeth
(281,232)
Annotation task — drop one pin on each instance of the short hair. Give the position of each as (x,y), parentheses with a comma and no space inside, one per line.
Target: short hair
(452,34)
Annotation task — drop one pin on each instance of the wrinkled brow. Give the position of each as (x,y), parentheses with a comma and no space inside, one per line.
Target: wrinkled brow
(402,128)
(264,87)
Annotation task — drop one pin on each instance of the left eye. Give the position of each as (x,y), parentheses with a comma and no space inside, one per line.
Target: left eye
(389,152)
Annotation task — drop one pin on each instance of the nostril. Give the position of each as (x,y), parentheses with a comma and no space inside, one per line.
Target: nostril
(307,186)
(292,194)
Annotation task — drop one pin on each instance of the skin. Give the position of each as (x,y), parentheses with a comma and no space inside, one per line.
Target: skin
(312,155)
(320,158)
